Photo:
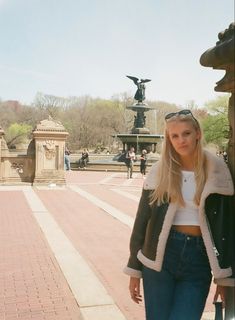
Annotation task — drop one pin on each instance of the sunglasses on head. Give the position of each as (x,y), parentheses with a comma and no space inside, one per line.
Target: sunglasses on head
(184,112)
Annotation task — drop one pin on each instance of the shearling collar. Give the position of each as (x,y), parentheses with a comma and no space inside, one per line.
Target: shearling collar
(219,179)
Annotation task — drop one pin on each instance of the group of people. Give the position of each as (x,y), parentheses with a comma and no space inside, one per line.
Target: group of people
(130,158)
(82,162)
(223,155)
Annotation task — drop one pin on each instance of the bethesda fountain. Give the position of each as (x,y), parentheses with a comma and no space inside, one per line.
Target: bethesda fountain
(140,137)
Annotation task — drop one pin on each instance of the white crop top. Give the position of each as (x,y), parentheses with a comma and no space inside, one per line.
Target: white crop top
(187,215)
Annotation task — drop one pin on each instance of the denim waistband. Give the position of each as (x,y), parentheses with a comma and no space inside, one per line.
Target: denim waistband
(182,236)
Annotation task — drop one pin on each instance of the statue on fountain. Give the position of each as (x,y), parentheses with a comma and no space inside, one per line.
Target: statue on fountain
(140,107)
(139,136)
(140,83)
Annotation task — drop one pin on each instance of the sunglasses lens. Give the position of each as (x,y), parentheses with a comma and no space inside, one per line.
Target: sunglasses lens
(183,112)
(170,115)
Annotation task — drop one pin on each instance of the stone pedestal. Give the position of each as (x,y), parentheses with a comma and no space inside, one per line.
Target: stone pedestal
(49,136)
(222,57)
(140,137)
(139,120)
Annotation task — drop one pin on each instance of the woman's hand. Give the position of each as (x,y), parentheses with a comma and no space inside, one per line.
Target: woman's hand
(134,288)
(220,292)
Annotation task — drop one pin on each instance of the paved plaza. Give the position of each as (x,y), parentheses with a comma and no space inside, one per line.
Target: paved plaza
(63,249)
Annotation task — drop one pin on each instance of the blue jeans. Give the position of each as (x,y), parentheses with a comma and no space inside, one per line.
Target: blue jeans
(180,290)
(67,162)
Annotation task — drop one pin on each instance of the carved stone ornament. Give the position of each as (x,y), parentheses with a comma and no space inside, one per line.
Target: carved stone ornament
(220,57)
(50,149)
(50,125)
(18,167)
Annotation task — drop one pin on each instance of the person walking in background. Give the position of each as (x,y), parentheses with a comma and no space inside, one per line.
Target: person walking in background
(225,156)
(182,233)
(67,159)
(129,160)
(143,162)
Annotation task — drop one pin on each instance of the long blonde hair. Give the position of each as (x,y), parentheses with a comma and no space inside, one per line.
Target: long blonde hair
(169,176)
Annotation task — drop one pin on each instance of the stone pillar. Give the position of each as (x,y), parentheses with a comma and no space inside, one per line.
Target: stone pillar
(222,57)
(123,146)
(154,148)
(49,136)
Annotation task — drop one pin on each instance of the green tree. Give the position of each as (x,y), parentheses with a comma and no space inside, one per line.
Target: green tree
(215,125)
(17,133)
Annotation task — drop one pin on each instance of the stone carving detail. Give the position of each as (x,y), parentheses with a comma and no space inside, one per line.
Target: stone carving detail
(221,57)
(18,167)
(50,149)
(50,125)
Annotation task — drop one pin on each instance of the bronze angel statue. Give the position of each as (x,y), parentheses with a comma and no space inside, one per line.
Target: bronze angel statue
(140,93)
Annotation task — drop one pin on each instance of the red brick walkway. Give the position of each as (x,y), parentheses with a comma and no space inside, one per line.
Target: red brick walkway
(32,285)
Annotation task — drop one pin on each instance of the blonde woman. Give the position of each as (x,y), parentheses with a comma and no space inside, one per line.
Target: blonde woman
(182,235)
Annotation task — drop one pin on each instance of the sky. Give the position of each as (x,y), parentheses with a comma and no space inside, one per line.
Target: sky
(71,48)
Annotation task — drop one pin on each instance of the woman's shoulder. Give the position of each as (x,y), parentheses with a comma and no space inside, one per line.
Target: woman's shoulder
(215,162)
(219,174)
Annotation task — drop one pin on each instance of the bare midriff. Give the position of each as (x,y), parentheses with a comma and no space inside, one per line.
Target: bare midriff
(190,230)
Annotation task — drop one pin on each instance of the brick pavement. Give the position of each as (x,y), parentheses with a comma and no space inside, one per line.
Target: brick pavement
(32,284)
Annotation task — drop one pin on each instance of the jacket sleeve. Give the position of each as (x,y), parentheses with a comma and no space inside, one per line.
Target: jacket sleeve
(230,236)
(134,266)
